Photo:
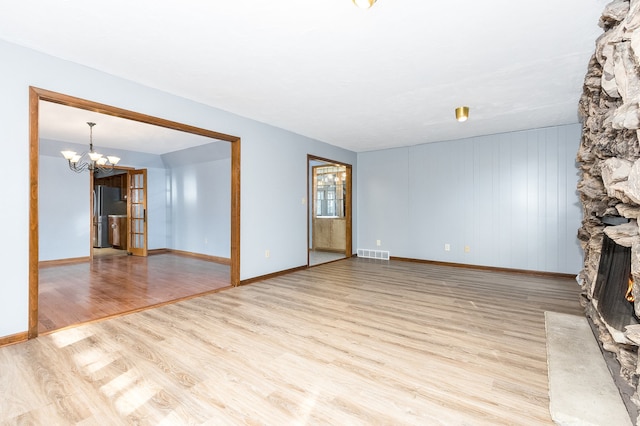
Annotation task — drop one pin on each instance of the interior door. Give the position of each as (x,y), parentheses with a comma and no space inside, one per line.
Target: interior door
(137,212)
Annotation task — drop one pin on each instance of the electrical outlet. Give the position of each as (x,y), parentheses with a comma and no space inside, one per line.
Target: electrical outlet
(378,243)
(267,254)
(304,201)
(206,240)
(447,247)
(467,249)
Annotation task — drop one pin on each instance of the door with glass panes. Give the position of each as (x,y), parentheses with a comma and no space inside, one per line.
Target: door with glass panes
(137,213)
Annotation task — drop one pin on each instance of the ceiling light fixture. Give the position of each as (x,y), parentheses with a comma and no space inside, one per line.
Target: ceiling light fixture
(462,113)
(90,160)
(364,4)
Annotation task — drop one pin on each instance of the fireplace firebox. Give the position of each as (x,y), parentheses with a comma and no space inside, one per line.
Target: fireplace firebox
(612,294)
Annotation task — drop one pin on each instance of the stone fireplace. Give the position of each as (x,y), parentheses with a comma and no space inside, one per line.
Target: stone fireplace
(609,188)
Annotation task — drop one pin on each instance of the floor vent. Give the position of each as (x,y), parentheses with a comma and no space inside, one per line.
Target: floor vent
(373,254)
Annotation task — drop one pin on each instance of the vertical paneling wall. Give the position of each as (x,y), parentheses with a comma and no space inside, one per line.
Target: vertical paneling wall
(510,198)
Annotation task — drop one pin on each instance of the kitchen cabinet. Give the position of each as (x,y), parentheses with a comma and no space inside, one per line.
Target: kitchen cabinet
(329,234)
(114,181)
(118,231)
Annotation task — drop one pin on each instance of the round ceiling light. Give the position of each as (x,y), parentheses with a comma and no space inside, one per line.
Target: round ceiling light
(462,113)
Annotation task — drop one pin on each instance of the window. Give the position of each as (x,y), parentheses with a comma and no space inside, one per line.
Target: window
(330,186)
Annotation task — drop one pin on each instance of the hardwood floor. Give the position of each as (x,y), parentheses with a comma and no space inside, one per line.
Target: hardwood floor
(350,342)
(110,285)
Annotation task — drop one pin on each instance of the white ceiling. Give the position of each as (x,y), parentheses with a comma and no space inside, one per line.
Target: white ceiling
(61,123)
(360,79)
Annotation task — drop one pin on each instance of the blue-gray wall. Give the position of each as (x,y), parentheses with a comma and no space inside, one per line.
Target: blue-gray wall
(64,210)
(64,199)
(201,208)
(510,198)
(199,192)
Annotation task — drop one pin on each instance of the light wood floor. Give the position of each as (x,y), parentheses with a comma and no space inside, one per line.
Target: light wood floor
(110,285)
(350,342)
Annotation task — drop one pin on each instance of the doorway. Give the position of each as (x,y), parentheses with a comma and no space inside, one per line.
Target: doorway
(329,215)
(119,206)
(35,96)
(110,213)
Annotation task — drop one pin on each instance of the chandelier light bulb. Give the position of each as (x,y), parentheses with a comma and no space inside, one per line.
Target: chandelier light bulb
(94,156)
(364,4)
(68,155)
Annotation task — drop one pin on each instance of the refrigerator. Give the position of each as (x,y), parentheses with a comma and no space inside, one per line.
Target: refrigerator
(106,201)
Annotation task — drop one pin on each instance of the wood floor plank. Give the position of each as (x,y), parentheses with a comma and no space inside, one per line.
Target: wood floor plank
(110,285)
(350,342)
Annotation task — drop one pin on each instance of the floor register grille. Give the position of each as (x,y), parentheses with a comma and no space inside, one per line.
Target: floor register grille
(373,254)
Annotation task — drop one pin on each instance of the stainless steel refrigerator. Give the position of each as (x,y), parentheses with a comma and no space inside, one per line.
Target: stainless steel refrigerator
(106,201)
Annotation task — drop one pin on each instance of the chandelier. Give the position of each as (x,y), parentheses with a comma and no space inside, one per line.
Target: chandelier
(90,160)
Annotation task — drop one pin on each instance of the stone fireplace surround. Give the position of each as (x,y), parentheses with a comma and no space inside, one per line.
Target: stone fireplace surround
(609,187)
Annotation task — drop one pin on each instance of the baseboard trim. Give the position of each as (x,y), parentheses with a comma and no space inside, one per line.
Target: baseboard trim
(215,259)
(328,250)
(487,268)
(272,275)
(152,252)
(13,339)
(59,262)
(157,251)
(431,262)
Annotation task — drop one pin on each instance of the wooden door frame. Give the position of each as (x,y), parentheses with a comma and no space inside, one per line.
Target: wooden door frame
(348,202)
(35,96)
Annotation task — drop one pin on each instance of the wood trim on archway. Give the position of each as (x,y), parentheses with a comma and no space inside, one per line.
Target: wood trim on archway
(35,96)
